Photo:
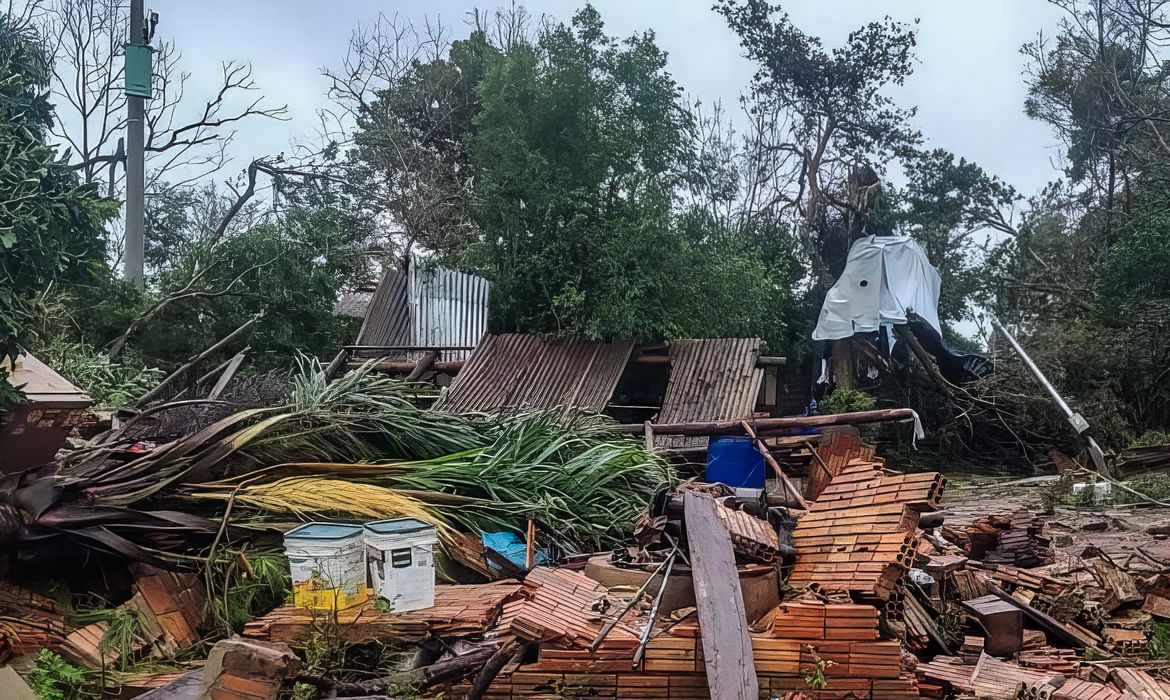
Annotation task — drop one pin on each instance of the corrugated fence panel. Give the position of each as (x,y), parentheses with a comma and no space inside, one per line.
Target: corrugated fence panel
(449,308)
(710,380)
(527,371)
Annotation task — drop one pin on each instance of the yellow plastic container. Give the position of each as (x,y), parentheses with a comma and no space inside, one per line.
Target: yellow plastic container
(328,565)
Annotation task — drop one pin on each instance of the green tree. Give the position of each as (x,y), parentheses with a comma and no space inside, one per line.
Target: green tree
(951,205)
(579,147)
(822,118)
(50,226)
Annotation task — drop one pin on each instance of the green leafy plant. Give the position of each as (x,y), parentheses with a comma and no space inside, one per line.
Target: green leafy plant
(843,400)
(107,382)
(52,678)
(816,679)
(1151,438)
(251,590)
(118,640)
(1159,646)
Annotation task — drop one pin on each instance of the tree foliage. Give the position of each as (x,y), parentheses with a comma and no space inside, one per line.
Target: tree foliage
(50,225)
(1085,276)
(557,163)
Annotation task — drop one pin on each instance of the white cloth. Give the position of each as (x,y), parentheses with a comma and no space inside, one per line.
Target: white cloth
(884,276)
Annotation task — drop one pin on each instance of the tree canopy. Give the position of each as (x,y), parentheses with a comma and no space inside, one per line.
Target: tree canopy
(50,225)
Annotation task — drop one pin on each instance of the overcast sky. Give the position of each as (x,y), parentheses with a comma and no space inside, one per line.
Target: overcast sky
(968,85)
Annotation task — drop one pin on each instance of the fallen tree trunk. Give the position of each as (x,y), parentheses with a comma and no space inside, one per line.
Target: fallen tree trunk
(735,427)
(509,651)
(419,678)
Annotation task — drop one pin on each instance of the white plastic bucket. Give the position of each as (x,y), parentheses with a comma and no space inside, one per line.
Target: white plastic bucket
(328,566)
(401,561)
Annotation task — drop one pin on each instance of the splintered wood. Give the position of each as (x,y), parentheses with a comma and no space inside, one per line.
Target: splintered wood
(859,536)
(169,609)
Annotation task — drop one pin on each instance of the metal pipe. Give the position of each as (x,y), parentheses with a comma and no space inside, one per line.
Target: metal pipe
(1075,419)
(654,610)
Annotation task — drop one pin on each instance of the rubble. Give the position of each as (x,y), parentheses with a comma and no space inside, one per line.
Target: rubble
(244,669)
(874,589)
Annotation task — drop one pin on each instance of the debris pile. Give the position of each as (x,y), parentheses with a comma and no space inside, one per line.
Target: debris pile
(613,580)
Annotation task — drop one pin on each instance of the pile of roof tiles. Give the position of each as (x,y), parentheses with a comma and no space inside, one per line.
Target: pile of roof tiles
(885,599)
(556,611)
(459,612)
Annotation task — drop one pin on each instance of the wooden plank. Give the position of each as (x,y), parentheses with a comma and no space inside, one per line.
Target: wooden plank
(727,647)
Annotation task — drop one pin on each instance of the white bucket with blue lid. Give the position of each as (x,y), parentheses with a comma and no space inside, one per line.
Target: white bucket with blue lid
(400,553)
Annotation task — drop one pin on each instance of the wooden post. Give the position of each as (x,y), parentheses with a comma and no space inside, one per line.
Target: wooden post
(530,546)
(767,454)
(228,373)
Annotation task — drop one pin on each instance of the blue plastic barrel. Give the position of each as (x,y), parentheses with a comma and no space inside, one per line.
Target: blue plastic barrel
(735,461)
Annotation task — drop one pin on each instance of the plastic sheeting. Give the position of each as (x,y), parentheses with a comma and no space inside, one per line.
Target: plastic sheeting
(884,277)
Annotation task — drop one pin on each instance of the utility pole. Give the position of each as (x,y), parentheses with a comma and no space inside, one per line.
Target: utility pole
(135,155)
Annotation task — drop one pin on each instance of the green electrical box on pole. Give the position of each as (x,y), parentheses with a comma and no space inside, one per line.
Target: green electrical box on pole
(138,70)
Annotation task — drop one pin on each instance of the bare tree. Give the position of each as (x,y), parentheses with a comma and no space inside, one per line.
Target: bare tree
(183,143)
(403,107)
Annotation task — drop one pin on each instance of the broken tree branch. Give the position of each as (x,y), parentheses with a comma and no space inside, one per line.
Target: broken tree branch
(194,361)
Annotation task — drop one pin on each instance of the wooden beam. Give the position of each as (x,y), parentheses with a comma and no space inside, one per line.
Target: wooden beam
(735,427)
(530,546)
(194,362)
(767,454)
(727,648)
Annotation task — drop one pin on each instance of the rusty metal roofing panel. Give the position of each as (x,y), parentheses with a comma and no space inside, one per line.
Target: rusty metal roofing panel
(527,371)
(387,320)
(427,306)
(711,379)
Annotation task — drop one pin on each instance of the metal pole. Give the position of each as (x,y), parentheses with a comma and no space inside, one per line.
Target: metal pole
(135,164)
(1078,422)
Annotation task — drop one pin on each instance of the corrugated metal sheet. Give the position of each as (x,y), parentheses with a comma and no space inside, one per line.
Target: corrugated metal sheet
(426,306)
(711,379)
(387,320)
(527,371)
(448,308)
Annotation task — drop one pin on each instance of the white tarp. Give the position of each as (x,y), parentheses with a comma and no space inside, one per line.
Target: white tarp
(884,276)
